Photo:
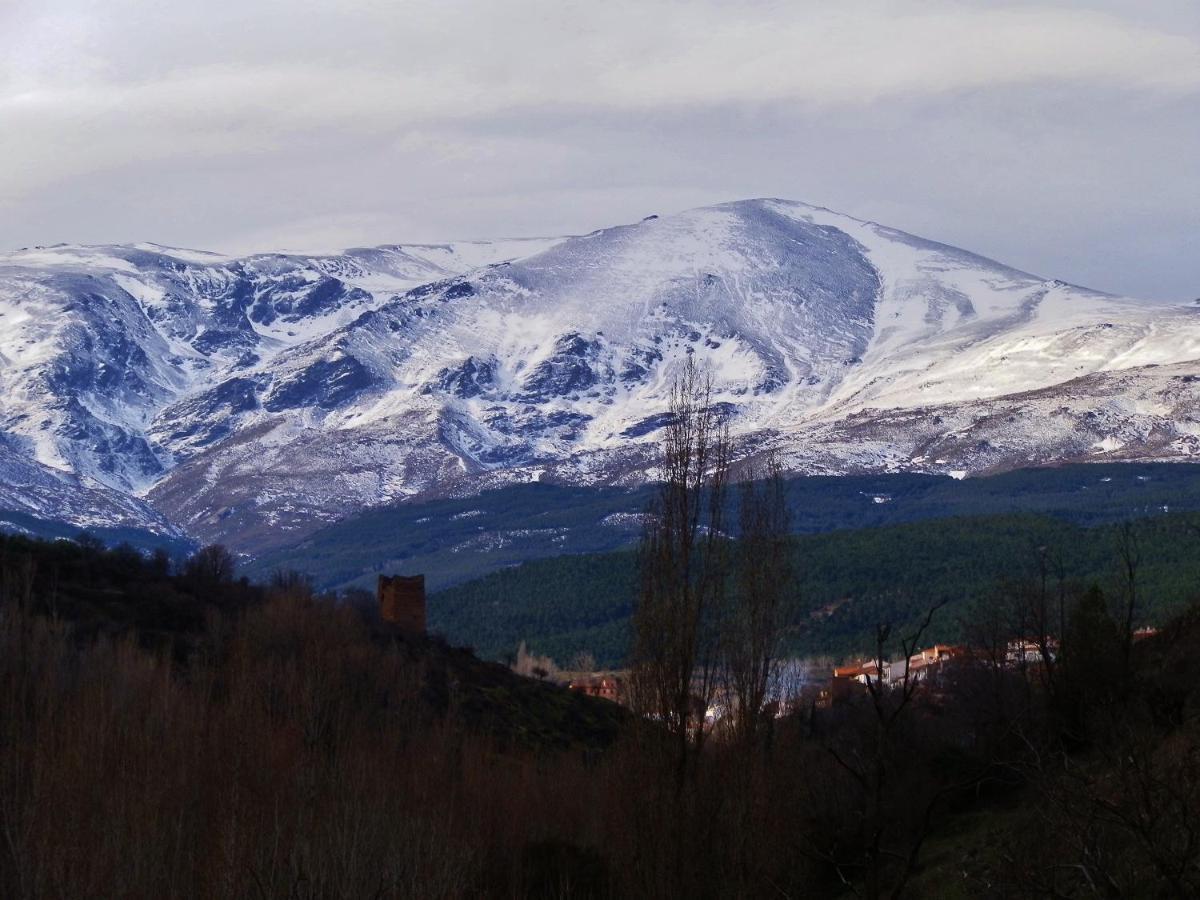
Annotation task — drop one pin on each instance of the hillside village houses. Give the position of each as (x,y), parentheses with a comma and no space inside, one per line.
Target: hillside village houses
(846,681)
(850,680)
(929,664)
(605,686)
(893,672)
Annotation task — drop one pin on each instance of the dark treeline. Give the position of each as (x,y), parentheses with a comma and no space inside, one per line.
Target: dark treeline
(185,734)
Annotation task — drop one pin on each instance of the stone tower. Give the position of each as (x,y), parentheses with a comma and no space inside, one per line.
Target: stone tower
(402,601)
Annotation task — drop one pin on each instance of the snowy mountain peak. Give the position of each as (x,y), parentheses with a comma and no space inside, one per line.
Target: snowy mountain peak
(261,395)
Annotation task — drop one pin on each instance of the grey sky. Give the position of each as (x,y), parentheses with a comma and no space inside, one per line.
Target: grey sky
(1060,137)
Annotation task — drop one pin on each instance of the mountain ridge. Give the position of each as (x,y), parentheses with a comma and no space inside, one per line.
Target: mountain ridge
(253,399)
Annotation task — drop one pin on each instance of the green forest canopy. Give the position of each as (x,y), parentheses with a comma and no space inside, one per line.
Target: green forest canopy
(848,582)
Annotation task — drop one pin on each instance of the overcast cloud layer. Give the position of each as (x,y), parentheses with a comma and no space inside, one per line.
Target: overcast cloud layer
(1060,137)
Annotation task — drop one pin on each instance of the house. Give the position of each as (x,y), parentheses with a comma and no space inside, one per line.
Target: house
(938,653)
(606,687)
(925,662)
(854,679)
(1028,652)
(864,672)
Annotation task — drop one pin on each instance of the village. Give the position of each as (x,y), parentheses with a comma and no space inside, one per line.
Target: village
(801,686)
(795,684)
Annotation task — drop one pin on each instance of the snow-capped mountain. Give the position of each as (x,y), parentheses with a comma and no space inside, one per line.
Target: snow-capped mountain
(96,341)
(251,400)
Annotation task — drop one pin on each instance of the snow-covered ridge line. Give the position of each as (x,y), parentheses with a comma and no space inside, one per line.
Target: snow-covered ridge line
(128,330)
(241,395)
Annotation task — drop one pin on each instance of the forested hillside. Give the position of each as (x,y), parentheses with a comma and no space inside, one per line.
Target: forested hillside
(848,582)
(455,540)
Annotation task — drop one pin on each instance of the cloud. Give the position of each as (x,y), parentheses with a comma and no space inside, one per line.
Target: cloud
(254,115)
(187,86)
(372,66)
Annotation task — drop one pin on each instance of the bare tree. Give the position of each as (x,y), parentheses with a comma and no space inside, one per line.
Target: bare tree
(17,580)
(1129,553)
(210,566)
(759,614)
(1039,614)
(684,565)
(897,816)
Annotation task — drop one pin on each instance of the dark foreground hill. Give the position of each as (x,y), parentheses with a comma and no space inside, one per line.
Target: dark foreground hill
(170,734)
(194,617)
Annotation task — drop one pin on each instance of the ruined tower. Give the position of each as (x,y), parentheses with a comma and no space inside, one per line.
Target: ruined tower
(402,601)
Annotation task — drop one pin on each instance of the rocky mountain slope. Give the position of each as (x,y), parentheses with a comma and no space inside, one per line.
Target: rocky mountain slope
(253,400)
(96,342)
